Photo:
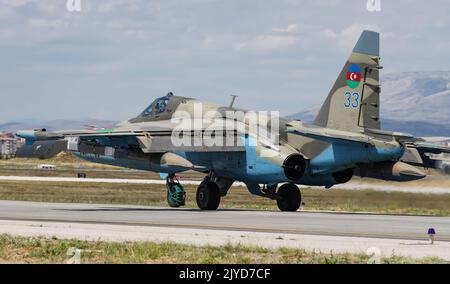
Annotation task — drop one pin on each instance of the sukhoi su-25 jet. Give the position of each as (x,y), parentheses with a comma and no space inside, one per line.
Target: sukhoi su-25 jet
(271,155)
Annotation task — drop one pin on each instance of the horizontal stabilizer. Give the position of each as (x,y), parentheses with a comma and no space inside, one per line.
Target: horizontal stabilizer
(327,134)
(399,136)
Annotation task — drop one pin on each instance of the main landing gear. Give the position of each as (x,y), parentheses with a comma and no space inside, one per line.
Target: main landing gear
(208,195)
(211,190)
(288,196)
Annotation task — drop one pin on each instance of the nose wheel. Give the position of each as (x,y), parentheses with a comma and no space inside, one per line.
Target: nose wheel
(176,196)
(208,196)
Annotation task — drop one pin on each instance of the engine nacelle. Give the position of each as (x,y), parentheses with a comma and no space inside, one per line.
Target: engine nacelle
(294,166)
(343,176)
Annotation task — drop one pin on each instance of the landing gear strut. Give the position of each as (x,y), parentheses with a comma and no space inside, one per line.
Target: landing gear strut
(211,190)
(289,197)
(208,193)
(176,196)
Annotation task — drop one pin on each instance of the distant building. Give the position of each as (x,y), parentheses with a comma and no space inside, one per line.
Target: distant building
(9,144)
(46,167)
(444,141)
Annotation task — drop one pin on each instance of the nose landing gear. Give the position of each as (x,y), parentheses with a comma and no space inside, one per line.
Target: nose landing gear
(176,196)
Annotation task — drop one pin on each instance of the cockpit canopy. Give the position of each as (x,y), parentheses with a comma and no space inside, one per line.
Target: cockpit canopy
(158,106)
(161,108)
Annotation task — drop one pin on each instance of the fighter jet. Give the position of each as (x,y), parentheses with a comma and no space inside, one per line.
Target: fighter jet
(271,155)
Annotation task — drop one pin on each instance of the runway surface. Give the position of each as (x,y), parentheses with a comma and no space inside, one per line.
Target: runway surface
(347,186)
(356,225)
(406,235)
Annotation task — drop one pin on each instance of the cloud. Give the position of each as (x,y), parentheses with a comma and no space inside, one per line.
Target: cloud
(6,34)
(268,43)
(16,3)
(6,12)
(347,37)
(221,41)
(292,28)
(47,24)
(329,34)
(114,5)
(104,68)
(47,7)
(105,7)
(201,48)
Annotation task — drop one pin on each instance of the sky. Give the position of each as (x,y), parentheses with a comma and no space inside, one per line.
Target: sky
(112,58)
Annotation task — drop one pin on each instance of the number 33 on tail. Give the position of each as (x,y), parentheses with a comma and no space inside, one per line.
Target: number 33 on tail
(351,100)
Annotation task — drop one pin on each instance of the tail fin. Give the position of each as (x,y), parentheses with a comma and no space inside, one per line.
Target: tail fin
(353,103)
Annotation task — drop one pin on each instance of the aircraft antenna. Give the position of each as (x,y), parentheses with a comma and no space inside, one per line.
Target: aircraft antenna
(233,98)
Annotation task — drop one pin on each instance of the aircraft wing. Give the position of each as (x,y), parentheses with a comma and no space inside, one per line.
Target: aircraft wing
(149,139)
(46,144)
(42,134)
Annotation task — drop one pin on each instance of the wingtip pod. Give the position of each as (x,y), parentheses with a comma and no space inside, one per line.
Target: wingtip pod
(391,171)
(368,43)
(26,134)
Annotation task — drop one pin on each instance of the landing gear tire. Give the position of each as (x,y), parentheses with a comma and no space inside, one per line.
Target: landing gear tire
(290,197)
(176,196)
(208,196)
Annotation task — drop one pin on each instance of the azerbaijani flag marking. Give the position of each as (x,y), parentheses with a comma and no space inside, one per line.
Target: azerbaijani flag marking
(354,76)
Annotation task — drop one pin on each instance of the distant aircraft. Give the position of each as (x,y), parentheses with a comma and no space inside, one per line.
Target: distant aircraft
(175,134)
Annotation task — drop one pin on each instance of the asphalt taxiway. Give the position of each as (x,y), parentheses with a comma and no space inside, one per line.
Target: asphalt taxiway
(338,232)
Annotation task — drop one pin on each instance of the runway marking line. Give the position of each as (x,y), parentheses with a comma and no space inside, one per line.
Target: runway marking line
(231,228)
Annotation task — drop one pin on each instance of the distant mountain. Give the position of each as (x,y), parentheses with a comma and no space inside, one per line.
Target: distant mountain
(413,102)
(58,124)
(417,128)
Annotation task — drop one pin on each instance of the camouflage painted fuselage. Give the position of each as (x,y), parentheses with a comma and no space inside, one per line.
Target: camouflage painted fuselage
(175,134)
(249,159)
